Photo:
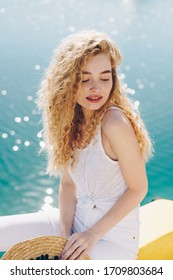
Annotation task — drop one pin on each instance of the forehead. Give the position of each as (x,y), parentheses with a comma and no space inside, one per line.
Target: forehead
(100,62)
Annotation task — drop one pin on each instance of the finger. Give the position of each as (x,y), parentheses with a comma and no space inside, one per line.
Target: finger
(69,243)
(82,255)
(70,251)
(76,254)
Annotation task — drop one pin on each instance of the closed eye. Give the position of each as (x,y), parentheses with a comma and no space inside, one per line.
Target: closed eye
(105,80)
(84,81)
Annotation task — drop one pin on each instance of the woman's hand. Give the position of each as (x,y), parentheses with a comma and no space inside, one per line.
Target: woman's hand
(79,245)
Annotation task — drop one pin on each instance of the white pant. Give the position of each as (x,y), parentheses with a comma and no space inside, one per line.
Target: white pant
(16,228)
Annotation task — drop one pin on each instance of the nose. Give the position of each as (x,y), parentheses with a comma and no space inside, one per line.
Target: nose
(95,86)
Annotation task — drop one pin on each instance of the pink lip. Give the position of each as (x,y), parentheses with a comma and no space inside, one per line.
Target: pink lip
(94,98)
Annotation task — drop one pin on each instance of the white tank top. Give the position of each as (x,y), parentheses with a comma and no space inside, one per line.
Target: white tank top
(99,184)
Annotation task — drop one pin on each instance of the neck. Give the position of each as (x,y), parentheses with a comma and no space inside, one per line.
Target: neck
(87,115)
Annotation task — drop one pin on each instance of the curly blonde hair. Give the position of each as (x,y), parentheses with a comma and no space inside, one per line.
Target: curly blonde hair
(63,117)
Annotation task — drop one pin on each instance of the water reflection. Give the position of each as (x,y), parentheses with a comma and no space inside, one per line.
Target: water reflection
(27,143)
(42,144)
(26,118)
(39,134)
(29,98)
(15,148)
(48,200)
(17,119)
(136,105)
(4,135)
(37,67)
(18,141)
(34,112)
(141,86)
(2,10)
(12,132)
(4,92)
(49,191)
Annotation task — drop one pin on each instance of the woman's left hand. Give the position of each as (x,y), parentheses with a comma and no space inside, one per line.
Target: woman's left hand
(79,245)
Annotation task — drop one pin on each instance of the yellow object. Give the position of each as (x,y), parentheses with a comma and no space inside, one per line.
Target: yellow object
(156,230)
(160,249)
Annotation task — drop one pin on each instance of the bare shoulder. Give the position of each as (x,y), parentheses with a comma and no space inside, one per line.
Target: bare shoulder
(121,135)
(115,120)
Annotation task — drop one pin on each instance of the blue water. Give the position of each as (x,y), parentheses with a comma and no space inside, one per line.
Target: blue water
(30,30)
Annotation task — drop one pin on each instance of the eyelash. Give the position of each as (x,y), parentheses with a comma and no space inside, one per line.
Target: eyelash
(104,80)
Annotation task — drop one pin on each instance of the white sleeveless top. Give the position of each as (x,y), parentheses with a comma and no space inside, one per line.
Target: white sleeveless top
(100,184)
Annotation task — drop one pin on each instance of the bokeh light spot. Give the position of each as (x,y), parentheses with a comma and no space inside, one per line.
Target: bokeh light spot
(4,92)
(48,200)
(17,119)
(37,67)
(26,118)
(4,135)
(42,144)
(15,148)
(141,86)
(29,98)
(27,143)
(2,10)
(12,132)
(136,104)
(18,141)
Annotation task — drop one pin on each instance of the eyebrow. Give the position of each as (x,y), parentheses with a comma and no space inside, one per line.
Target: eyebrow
(89,73)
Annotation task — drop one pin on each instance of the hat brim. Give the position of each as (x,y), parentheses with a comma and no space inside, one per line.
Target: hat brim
(37,248)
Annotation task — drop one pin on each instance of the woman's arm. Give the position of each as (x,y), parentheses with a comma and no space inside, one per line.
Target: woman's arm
(67,203)
(124,144)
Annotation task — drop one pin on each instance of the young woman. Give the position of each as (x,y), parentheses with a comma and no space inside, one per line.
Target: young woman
(98,144)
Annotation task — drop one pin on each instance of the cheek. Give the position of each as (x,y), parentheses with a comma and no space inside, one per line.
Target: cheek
(80,96)
(81,93)
(108,88)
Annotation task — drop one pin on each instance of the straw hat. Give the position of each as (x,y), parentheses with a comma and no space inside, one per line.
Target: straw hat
(39,248)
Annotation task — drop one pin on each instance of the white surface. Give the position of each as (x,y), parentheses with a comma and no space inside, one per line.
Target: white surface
(156,220)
